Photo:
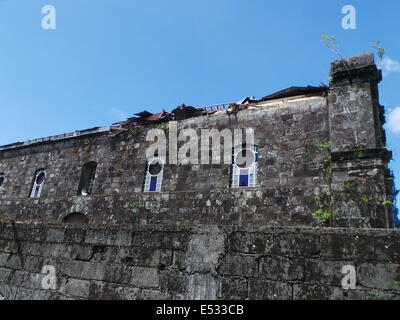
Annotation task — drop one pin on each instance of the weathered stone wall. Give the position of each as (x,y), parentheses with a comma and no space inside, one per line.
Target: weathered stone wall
(318,154)
(289,175)
(287,136)
(358,145)
(170,262)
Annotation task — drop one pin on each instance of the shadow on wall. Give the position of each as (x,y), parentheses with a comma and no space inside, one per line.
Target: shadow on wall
(76,217)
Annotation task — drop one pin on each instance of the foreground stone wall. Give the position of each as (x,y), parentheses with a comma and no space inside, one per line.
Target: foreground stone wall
(170,262)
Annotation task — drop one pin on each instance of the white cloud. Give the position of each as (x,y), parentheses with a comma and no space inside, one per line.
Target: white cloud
(389,65)
(394,120)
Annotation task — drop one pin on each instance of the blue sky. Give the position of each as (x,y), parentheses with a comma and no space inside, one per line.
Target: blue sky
(108,59)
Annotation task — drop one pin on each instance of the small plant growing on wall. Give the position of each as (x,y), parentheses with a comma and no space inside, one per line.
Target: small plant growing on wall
(387,203)
(332,44)
(322,215)
(162,126)
(377,202)
(359,154)
(350,186)
(366,200)
(325,200)
(397,283)
(376,295)
(134,131)
(323,146)
(380,51)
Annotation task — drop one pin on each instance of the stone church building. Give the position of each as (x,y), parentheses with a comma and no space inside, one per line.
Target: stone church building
(115,225)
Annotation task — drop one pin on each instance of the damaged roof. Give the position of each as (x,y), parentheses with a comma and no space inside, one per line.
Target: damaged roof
(179,113)
(295,91)
(144,117)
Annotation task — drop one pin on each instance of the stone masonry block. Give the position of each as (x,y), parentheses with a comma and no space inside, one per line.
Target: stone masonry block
(204,251)
(93,271)
(324,271)
(77,288)
(260,289)
(202,287)
(349,247)
(301,245)
(245,242)
(316,292)
(243,266)
(282,268)
(173,282)
(145,277)
(233,289)
(379,275)
(55,235)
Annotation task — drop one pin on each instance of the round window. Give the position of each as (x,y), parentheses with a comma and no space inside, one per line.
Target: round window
(245,158)
(155,167)
(1,180)
(40,177)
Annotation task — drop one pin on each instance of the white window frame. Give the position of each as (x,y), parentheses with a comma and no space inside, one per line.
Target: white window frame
(147,181)
(252,170)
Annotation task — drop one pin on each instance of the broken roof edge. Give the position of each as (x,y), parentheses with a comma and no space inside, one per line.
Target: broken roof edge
(291,92)
(65,136)
(295,91)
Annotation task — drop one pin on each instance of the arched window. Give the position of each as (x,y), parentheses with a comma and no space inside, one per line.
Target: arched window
(76,217)
(87,179)
(2,178)
(38,182)
(244,166)
(154,175)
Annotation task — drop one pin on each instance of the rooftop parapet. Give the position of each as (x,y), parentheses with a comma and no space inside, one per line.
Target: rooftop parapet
(361,66)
